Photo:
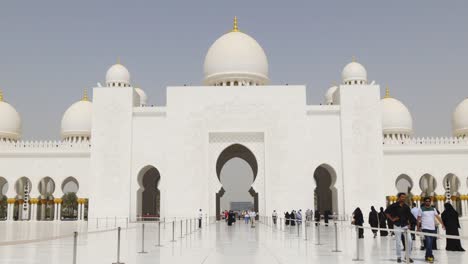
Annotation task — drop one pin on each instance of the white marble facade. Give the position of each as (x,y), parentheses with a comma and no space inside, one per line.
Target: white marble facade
(360,145)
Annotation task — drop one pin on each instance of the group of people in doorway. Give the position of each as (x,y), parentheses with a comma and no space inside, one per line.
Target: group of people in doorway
(249,216)
(296,218)
(399,218)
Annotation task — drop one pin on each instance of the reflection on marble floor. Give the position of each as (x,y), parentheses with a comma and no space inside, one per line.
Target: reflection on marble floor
(216,243)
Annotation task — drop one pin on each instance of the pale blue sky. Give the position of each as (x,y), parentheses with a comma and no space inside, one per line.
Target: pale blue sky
(51,50)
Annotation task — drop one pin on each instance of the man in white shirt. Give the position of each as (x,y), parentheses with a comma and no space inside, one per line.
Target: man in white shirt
(252,218)
(426,223)
(274,215)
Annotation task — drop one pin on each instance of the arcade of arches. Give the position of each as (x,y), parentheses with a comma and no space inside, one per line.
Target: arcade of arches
(429,187)
(242,158)
(46,206)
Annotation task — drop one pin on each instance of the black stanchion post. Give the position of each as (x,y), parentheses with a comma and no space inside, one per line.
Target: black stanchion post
(142,239)
(118,247)
(75,240)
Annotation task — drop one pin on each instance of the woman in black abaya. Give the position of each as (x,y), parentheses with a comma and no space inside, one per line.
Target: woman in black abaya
(293,218)
(286,218)
(450,219)
(358,220)
(383,222)
(374,220)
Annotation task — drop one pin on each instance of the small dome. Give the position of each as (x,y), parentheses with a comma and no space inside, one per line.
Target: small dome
(76,121)
(329,95)
(117,76)
(236,59)
(142,94)
(396,118)
(354,73)
(460,119)
(10,121)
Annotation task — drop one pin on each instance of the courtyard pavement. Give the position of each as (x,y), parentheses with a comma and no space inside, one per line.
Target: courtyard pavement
(213,244)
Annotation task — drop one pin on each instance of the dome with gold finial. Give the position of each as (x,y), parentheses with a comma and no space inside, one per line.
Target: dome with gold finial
(10,121)
(396,118)
(236,59)
(76,121)
(354,73)
(118,76)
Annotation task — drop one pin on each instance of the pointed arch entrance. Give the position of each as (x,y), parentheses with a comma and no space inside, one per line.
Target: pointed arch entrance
(325,193)
(231,152)
(148,195)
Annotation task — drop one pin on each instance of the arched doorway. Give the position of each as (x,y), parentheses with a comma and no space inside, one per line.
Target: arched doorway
(148,196)
(69,210)
(325,193)
(451,187)
(46,206)
(3,199)
(22,208)
(245,164)
(428,185)
(404,184)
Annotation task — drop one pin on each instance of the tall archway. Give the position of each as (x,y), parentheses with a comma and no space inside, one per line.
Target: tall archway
(404,184)
(148,196)
(325,193)
(452,185)
(22,207)
(231,152)
(69,209)
(46,207)
(3,199)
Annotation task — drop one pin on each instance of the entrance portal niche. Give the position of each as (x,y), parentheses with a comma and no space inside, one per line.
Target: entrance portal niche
(404,184)
(148,196)
(325,193)
(236,159)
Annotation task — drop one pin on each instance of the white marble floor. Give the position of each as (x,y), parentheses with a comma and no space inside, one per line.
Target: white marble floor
(213,244)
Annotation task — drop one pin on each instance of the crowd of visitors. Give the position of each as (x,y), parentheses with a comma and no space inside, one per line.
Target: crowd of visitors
(399,217)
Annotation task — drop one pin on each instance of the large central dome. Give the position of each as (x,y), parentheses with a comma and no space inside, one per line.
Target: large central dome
(236,59)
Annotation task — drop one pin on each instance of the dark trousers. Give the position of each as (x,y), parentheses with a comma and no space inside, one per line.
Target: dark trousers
(428,241)
(199,222)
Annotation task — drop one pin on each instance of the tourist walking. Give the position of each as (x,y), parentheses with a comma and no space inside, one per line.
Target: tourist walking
(274,216)
(317,217)
(246,217)
(292,216)
(374,220)
(400,215)
(450,220)
(383,223)
(426,222)
(326,216)
(252,214)
(358,220)
(231,218)
(299,217)
(200,217)
(286,218)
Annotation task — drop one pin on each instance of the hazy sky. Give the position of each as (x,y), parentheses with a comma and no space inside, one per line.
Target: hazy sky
(51,50)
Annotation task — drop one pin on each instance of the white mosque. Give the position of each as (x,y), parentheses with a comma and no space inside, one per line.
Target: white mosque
(120,156)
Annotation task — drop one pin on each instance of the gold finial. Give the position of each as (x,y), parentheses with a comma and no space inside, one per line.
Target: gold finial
(118,60)
(353,59)
(387,93)
(85,95)
(235,28)
(1,96)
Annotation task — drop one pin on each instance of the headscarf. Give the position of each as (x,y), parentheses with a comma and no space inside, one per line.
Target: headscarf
(450,211)
(373,209)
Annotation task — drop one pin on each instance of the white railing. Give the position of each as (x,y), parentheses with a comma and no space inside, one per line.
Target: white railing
(426,141)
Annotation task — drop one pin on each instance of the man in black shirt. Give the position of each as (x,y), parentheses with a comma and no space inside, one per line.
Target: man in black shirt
(400,214)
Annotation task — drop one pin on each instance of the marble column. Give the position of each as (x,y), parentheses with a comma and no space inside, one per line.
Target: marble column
(79,210)
(59,212)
